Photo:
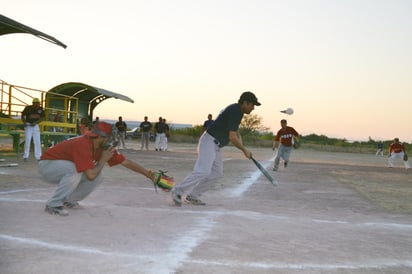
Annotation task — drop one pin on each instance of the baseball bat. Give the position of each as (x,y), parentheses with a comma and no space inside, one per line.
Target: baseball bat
(9,165)
(264,171)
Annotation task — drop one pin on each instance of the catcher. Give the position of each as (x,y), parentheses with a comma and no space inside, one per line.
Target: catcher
(76,166)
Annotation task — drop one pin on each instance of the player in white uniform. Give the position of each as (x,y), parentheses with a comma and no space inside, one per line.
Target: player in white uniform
(31,117)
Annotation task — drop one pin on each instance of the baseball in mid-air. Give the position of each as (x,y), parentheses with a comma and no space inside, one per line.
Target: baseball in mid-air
(288,111)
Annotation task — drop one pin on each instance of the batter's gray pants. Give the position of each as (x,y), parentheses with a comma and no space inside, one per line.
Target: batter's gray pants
(72,185)
(207,170)
(284,152)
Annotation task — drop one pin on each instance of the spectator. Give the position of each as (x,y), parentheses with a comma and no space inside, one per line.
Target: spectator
(208,122)
(121,131)
(31,116)
(159,130)
(163,145)
(145,128)
(84,126)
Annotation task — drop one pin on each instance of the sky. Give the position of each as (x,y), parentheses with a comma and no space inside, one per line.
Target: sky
(342,65)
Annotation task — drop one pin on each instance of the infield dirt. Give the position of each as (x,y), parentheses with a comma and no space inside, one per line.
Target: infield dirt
(330,213)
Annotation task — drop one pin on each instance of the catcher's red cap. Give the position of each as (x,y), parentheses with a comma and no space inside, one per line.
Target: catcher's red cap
(103,129)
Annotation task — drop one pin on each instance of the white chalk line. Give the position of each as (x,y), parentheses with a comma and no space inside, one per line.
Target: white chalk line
(244,186)
(375,264)
(253,215)
(182,247)
(71,248)
(179,254)
(20,190)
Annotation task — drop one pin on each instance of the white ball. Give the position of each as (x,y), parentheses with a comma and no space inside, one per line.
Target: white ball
(288,111)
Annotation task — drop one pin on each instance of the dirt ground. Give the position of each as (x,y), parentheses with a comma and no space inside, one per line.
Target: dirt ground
(314,221)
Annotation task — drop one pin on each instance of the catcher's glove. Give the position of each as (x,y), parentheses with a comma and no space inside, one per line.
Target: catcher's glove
(405,157)
(161,180)
(296,145)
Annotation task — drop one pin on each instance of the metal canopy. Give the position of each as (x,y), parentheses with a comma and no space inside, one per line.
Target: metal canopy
(87,93)
(8,26)
(88,96)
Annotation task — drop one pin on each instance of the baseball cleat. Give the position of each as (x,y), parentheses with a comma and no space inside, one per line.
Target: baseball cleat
(177,198)
(194,201)
(58,210)
(72,205)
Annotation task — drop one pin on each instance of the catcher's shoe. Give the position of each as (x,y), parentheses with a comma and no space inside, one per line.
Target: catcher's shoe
(194,201)
(275,168)
(285,163)
(177,198)
(58,210)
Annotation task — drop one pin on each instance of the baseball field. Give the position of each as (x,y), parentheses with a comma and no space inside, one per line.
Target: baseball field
(330,213)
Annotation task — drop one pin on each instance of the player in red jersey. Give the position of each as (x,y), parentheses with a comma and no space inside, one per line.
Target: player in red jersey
(286,138)
(397,149)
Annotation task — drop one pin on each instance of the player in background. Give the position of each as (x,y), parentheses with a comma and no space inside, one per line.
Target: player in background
(164,144)
(31,116)
(121,131)
(284,140)
(397,149)
(159,130)
(145,128)
(208,122)
(379,150)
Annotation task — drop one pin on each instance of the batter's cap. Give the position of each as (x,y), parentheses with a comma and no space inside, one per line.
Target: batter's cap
(249,97)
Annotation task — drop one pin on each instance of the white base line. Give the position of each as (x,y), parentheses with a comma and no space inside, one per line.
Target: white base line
(244,186)
(170,262)
(71,248)
(379,264)
(244,214)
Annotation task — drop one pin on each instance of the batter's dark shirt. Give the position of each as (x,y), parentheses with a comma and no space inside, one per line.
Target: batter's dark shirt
(228,120)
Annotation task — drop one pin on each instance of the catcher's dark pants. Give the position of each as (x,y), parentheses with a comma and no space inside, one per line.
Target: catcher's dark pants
(72,185)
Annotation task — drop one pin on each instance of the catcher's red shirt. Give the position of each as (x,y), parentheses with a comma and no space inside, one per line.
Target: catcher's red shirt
(79,150)
(285,136)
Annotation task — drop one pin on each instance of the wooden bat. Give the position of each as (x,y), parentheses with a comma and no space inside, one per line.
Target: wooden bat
(9,165)
(265,172)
